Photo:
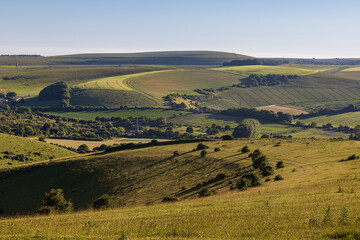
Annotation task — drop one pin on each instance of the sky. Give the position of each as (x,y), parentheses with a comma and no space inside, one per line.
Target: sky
(260,28)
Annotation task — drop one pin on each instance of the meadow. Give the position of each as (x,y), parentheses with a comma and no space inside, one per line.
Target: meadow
(351,119)
(318,198)
(264,70)
(31,82)
(12,146)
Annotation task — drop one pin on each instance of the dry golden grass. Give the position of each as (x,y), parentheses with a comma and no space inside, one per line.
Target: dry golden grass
(294,208)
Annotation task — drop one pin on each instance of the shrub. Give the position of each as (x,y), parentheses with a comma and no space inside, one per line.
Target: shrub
(170,199)
(83,148)
(216,149)
(245,149)
(201,146)
(280,164)
(102,202)
(55,201)
(42,139)
(248,180)
(267,180)
(176,153)
(203,153)
(227,137)
(267,171)
(207,192)
(278,178)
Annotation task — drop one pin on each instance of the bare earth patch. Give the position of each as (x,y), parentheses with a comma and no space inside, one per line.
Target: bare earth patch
(276,108)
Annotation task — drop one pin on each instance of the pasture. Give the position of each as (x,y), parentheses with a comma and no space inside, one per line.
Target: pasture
(351,119)
(264,70)
(12,146)
(318,198)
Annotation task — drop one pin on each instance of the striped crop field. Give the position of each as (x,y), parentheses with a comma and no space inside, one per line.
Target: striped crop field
(121,82)
(350,119)
(263,96)
(264,70)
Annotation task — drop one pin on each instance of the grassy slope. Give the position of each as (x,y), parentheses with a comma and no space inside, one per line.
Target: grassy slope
(263,70)
(37,79)
(311,88)
(161,84)
(275,210)
(19,145)
(350,119)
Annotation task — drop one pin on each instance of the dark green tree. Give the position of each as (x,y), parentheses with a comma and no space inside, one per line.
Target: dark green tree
(248,128)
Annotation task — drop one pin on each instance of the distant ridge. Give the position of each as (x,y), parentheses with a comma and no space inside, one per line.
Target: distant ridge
(161,57)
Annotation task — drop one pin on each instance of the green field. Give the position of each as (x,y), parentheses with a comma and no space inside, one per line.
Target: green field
(35,151)
(31,82)
(318,198)
(320,87)
(264,70)
(351,119)
(91,115)
(163,83)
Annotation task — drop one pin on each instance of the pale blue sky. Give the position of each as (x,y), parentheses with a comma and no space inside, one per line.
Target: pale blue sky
(261,28)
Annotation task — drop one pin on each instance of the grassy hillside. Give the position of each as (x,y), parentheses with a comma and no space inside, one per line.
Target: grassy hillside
(150,113)
(182,81)
(13,146)
(318,198)
(263,70)
(32,82)
(319,87)
(351,119)
(112,98)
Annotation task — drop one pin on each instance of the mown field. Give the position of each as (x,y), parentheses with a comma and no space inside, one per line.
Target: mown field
(150,113)
(161,84)
(13,146)
(351,119)
(264,70)
(318,198)
(30,83)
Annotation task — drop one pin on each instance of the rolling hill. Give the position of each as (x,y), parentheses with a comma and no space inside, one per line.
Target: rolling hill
(16,151)
(318,198)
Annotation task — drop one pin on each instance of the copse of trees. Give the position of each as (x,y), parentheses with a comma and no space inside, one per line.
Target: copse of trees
(265,80)
(262,115)
(58,91)
(248,128)
(242,62)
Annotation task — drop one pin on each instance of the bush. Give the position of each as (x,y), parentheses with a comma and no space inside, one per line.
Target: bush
(248,180)
(280,164)
(83,148)
(217,149)
(227,137)
(207,192)
(245,149)
(176,153)
(201,146)
(203,153)
(102,202)
(42,139)
(55,201)
(267,171)
(170,199)
(278,178)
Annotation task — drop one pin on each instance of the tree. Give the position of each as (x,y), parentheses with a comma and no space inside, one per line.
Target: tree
(83,148)
(248,128)
(102,202)
(55,201)
(11,95)
(357,131)
(189,130)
